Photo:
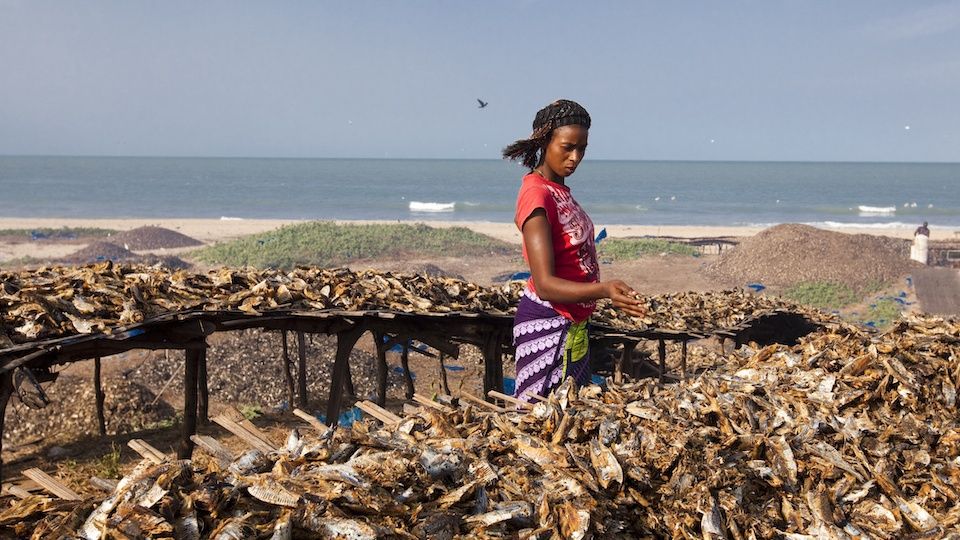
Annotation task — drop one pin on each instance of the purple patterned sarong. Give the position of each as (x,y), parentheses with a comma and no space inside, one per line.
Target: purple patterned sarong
(549,348)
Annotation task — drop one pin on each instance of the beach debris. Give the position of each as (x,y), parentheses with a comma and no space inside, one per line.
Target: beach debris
(847,434)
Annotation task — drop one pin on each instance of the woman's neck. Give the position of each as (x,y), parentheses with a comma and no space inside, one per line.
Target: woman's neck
(545,172)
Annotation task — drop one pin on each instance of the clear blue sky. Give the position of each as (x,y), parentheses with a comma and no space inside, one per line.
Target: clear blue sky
(855,80)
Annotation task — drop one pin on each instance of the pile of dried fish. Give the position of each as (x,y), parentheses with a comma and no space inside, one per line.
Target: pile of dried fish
(52,302)
(845,435)
(57,301)
(700,312)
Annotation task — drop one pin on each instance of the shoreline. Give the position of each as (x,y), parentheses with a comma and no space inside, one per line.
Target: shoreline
(209,230)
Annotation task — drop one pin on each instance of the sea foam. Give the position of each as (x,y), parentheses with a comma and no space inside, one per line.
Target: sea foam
(417,206)
(876,210)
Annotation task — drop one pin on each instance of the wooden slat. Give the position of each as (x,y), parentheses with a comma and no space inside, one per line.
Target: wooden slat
(314,422)
(244,434)
(378,412)
(424,400)
(509,399)
(21,490)
(103,484)
(234,414)
(51,484)
(213,447)
(485,404)
(144,448)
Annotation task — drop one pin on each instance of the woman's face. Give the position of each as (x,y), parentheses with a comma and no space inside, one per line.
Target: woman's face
(565,150)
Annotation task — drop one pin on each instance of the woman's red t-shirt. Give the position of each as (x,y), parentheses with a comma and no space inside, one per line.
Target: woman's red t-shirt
(574,252)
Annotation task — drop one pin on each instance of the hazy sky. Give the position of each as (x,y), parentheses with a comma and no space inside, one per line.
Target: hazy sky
(869,80)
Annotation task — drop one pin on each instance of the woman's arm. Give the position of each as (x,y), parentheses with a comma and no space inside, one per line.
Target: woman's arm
(537,239)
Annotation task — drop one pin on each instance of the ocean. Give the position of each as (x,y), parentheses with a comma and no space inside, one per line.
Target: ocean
(613,192)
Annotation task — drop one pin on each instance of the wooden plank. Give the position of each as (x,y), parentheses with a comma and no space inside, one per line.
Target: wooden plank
(424,400)
(213,447)
(378,412)
(51,484)
(100,397)
(190,368)
(16,491)
(510,399)
(233,414)
(314,422)
(147,451)
(244,434)
(103,484)
(485,404)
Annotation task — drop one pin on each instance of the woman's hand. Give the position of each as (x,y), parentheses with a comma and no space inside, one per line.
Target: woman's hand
(624,298)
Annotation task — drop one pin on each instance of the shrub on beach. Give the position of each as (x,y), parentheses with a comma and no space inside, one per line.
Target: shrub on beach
(323,243)
(626,249)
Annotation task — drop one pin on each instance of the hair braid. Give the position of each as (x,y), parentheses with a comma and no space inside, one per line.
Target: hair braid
(562,112)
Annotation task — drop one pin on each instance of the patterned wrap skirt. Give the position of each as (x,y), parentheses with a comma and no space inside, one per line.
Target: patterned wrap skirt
(549,348)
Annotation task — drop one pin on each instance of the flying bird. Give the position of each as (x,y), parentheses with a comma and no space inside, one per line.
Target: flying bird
(482,103)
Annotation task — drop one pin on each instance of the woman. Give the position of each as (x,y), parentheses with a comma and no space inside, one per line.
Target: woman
(550,328)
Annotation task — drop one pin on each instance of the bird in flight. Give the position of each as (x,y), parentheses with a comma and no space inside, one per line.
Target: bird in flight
(482,103)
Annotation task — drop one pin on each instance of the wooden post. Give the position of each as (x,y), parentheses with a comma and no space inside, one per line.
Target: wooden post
(662,353)
(443,375)
(98,393)
(6,389)
(287,375)
(492,364)
(381,369)
(189,403)
(683,359)
(203,389)
(341,365)
(405,362)
(302,369)
(625,358)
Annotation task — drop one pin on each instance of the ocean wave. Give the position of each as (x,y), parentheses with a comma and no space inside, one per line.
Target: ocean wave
(418,206)
(229,218)
(876,210)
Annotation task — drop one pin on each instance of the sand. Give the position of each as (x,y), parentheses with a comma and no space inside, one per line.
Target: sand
(214,230)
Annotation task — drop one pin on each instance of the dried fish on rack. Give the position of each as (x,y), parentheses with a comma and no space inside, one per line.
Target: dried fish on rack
(845,435)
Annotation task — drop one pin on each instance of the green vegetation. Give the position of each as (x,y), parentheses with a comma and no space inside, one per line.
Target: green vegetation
(251,411)
(324,243)
(63,233)
(882,313)
(822,294)
(108,466)
(627,249)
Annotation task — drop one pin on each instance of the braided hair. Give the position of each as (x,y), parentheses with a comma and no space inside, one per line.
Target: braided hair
(562,112)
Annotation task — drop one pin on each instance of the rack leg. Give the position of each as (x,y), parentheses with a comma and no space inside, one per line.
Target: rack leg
(100,397)
(345,342)
(302,369)
(190,369)
(662,354)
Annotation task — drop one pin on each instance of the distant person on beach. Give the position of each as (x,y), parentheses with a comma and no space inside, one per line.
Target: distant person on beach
(550,327)
(921,238)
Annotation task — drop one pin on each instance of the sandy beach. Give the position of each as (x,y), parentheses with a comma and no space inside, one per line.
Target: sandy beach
(215,230)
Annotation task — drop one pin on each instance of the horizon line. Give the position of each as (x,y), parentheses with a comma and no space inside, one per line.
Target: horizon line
(133,156)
